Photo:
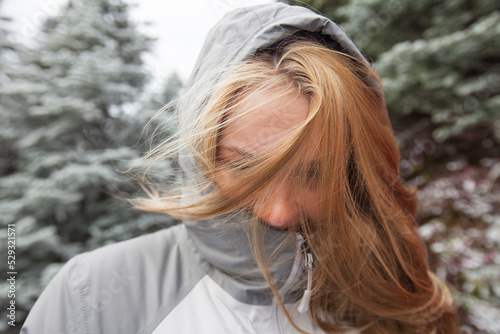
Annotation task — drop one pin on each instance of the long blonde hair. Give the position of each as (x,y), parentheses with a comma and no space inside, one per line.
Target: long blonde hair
(371,269)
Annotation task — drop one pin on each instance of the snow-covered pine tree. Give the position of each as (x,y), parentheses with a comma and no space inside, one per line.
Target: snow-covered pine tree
(440,66)
(7,48)
(169,91)
(439,61)
(66,116)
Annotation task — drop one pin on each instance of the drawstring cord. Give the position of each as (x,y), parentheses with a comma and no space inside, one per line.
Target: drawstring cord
(304,302)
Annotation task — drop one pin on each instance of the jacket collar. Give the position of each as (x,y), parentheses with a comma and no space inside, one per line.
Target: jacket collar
(223,243)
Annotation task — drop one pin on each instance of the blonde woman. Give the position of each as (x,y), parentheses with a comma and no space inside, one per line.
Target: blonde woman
(294,216)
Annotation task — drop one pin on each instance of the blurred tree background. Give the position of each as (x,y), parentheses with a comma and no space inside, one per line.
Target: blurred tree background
(69,128)
(439,62)
(73,105)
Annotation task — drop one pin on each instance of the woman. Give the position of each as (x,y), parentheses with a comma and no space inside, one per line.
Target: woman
(294,216)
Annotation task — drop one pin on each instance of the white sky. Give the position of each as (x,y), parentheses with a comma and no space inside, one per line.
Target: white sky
(180,26)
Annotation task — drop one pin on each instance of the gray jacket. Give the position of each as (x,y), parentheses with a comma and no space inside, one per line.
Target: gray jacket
(196,277)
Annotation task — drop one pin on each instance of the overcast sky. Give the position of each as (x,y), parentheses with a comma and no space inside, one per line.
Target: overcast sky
(179,25)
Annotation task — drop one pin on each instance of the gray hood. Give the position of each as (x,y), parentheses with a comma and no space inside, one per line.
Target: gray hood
(236,37)
(240,33)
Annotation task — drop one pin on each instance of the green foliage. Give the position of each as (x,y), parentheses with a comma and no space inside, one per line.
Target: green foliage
(440,68)
(452,82)
(439,62)
(7,47)
(68,131)
(171,88)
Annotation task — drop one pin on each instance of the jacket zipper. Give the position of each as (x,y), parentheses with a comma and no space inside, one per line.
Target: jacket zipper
(306,298)
(292,280)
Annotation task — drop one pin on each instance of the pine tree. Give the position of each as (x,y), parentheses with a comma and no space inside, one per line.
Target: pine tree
(170,90)
(7,48)
(67,111)
(440,67)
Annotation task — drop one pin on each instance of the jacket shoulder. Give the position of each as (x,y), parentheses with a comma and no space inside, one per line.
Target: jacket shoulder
(127,287)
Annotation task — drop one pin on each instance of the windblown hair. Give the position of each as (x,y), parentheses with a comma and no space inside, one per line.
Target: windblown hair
(371,270)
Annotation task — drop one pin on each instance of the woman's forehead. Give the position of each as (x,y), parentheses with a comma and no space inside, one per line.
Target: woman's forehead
(263,118)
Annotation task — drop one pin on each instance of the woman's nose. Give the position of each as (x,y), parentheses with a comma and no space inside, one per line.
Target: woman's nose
(278,208)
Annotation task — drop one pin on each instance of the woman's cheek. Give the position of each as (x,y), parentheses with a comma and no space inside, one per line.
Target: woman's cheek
(310,203)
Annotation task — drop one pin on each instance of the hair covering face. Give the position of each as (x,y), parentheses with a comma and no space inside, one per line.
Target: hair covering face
(222,241)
